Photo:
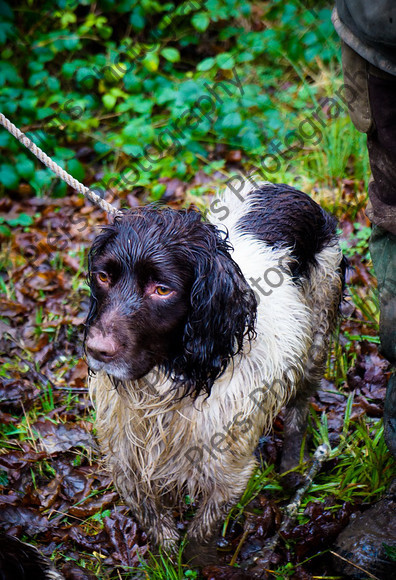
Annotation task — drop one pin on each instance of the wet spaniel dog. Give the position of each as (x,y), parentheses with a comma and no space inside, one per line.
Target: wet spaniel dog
(199,331)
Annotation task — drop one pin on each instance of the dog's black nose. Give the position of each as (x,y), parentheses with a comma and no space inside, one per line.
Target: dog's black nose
(101,347)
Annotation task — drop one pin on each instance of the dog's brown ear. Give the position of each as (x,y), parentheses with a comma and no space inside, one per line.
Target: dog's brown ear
(222,313)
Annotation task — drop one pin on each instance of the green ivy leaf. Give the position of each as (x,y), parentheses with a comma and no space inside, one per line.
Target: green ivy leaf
(37,79)
(9,107)
(68,18)
(5,11)
(53,84)
(244,57)
(133,150)
(41,180)
(9,74)
(140,104)
(225,60)
(25,166)
(76,169)
(171,54)
(251,142)
(5,29)
(35,66)
(60,189)
(8,176)
(157,191)
(206,64)
(28,103)
(132,83)
(166,95)
(23,219)
(44,112)
(115,72)
(5,231)
(105,32)
(71,43)
(137,20)
(86,77)
(68,69)
(5,139)
(232,121)
(64,153)
(151,62)
(109,101)
(200,21)
(101,148)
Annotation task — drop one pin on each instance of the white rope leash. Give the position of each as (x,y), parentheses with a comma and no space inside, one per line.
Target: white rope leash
(39,153)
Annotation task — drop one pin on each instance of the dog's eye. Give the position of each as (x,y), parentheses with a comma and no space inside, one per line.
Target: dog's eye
(103,277)
(162,290)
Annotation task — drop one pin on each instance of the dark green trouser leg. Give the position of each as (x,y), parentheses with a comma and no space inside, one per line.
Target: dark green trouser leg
(390,415)
(383,254)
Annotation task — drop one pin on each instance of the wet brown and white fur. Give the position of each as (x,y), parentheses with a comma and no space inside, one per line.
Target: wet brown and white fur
(196,342)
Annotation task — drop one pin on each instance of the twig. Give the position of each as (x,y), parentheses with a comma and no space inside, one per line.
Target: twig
(355,565)
(320,456)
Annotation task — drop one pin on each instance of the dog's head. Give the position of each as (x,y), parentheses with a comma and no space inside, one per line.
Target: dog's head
(165,292)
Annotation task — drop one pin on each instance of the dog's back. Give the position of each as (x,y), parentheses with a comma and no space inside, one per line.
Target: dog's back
(287,248)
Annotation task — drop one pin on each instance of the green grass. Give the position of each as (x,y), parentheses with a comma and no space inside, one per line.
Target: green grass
(362,467)
(367,302)
(263,479)
(165,567)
